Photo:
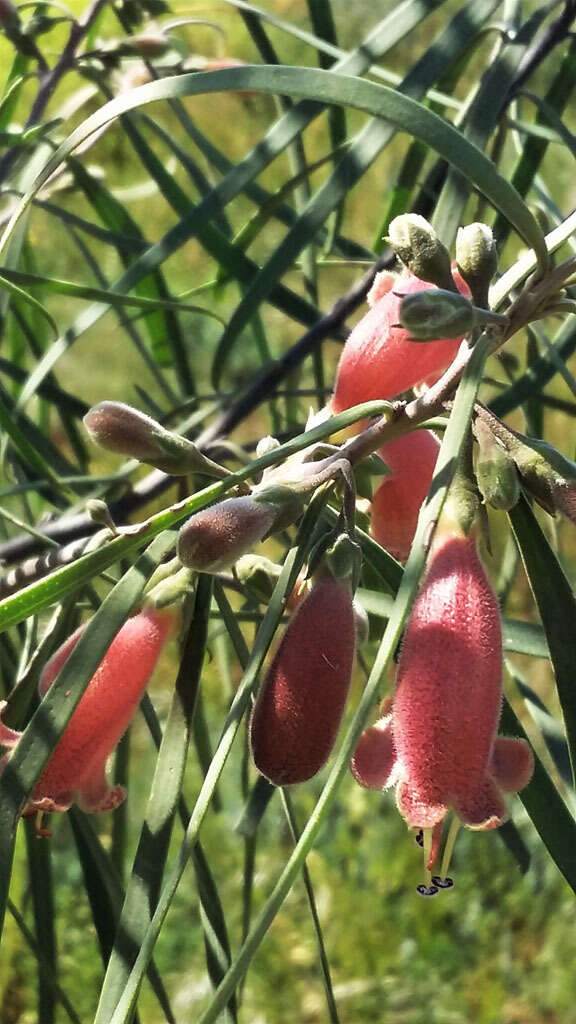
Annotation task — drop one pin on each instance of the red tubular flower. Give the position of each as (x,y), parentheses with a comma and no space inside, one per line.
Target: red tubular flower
(76,771)
(301,701)
(397,501)
(438,743)
(378,360)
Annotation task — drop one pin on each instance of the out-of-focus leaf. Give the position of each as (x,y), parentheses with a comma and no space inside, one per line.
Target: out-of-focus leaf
(556,605)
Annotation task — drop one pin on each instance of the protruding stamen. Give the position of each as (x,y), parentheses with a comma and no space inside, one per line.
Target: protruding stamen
(449,846)
(427,837)
(39,829)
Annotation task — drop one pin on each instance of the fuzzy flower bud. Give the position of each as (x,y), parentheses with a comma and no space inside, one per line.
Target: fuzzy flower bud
(547,474)
(425,315)
(378,360)
(76,771)
(438,743)
(418,246)
(477,259)
(215,538)
(152,43)
(9,17)
(397,501)
(301,701)
(496,471)
(120,428)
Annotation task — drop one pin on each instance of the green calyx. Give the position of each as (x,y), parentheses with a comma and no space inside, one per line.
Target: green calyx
(429,315)
(258,575)
(418,246)
(344,559)
(461,507)
(543,469)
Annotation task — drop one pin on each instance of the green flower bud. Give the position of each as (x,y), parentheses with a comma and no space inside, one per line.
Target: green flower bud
(344,559)
(429,315)
(171,590)
(477,259)
(546,473)
(258,575)
(418,246)
(496,471)
(119,428)
(100,513)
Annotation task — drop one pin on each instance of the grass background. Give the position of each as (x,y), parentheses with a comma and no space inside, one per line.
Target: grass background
(501,946)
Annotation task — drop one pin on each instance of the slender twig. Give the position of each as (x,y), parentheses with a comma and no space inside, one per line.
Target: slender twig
(156,483)
(50,78)
(555,34)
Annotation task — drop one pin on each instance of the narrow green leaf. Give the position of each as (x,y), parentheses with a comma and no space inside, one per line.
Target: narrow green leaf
(480,121)
(550,816)
(552,732)
(42,891)
(105,894)
(113,298)
(306,877)
(40,595)
(531,383)
(556,605)
(557,96)
(150,859)
(43,962)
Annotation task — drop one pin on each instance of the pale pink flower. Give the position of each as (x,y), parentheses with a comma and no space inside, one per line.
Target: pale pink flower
(397,501)
(378,359)
(437,743)
(76,770)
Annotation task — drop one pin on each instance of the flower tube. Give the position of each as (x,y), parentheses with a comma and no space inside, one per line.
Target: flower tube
(437,741)
(378,360)
(301,701)
(76,770)
(397,501)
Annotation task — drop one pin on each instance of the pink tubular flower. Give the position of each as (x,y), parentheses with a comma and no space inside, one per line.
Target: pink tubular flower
(437,742)
(378,360)
(76,771)
(301,701)
(397,501)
